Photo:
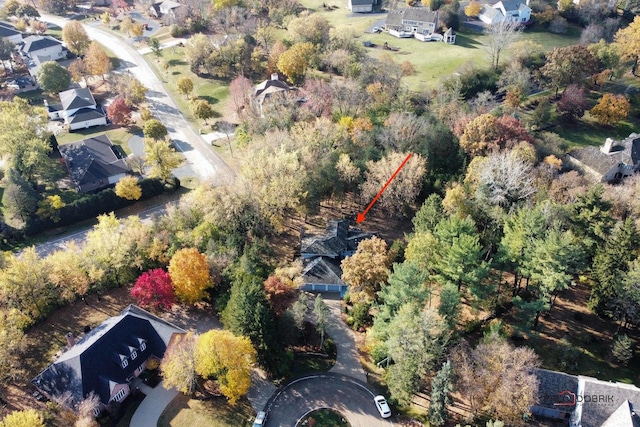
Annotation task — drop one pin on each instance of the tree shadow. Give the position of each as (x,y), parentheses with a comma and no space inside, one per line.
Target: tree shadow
(467,42)
(174,62)
(210,99)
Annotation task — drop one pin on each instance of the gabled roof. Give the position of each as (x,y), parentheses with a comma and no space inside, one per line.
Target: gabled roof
(338,238)
(510,5)
(84,114)
(92,161)
(418,14)
(7,30)
(35,43)
(268,87)
(489,11)
(169,5)
(77,98)
(615,402)
(626,151)
(322,271)
(624,416)
(95,362)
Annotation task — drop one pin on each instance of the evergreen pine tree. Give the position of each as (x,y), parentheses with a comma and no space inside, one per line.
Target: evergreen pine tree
(441,386)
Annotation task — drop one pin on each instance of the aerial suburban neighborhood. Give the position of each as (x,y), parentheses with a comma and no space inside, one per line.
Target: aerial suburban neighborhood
(350,213)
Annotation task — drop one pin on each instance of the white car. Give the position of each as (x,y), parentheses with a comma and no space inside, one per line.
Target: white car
(260,419)
(383,406)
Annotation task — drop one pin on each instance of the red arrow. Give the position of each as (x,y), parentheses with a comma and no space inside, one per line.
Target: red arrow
(361,215)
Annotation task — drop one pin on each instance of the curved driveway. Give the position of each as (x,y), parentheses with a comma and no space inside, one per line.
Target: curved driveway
(203,160)
(339,392)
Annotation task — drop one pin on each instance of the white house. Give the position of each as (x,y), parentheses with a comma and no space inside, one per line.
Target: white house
(409,21)
(78,109)
(10,33)
(506,10)
(43,46)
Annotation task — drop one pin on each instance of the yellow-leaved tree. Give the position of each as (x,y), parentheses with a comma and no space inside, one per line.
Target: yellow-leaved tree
(189,272)
(365,270)
(26,418)
(178,364)
(611,109)
(128,188)
(229,359)
(294,62)
(473,9)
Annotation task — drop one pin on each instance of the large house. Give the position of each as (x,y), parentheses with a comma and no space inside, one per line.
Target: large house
(165,9)
(108,358)
(36,50)
(94,163)
(361,6)
(321,256)
(506,10)
(78,109)
(268,88)
(612,162)
(583,401)
(411,21)
(9,32)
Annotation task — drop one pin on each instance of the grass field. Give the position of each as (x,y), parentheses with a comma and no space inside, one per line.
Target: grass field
(216,92)
(216,412)
(118,135)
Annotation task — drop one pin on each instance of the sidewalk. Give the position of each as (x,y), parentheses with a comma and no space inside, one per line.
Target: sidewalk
(170,43)
(152,406)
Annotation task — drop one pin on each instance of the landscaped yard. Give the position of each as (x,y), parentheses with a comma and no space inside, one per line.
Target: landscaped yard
(325,418)
(216,412)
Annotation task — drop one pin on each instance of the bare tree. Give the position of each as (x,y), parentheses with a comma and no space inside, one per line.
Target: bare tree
(505,178)
(499,36)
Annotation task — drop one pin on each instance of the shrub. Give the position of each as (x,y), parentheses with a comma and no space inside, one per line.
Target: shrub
(360,315)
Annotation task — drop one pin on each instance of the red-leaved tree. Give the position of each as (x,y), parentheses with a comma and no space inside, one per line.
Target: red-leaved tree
(119,112)
(280,294)
(154,289)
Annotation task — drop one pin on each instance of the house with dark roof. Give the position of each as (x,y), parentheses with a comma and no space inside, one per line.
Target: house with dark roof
(362,6)
(43,46)
(9,32)
(108,358)
(408,22)
(582,401)
(321,256)
(612,162)
(506,10)
(78,109)
(263,91)
(94,163)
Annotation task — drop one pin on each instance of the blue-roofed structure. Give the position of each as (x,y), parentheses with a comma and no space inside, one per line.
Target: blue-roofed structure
(108,358)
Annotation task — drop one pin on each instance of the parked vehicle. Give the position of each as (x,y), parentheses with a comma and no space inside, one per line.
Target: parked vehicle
(383,406)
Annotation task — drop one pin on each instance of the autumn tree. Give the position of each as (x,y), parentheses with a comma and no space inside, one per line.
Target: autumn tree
(294,62)
(197,50)
(366,269)
(201,109)
(497,379)
(75,37)
(154,129)
(161,158)
(312,28)
(50,206)
(405,187)
(154,288)
(240,91)
(611,109)
(53,78)
(229,359)
(499,37)
(128,188)
(567,65)
(473,9)
(178,365)
(130,88)
(479,135)
(628,42)
(66,273)
(190,275)
(119,112)
(25,418)
(280,287)
(154,45)
(12,346)
(23,285)
(573,102)
(185,86)
(505,179)
(78,71)
(96,61)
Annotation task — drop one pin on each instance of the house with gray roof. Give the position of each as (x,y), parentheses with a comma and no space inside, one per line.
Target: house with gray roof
(506,10)
(94,163)
(362,6)
(412,20)
(108,358)
(78,109)
(583,401)
(9,32)
(322,255)
(43,46)
(612,162)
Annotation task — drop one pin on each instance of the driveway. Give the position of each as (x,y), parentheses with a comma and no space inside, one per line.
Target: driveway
(347,362)
(203,161)
(152,406)
(350,397)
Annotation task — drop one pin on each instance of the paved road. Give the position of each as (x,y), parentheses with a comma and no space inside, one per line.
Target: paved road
(204,161)
(152,406)
(348,396)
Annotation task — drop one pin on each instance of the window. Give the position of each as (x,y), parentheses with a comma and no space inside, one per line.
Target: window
(143,345)
(134,354)
(125,363)
(120,395)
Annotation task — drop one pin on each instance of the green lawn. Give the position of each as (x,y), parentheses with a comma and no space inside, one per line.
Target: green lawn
(216,412)
(216,92)
(119,135)
(325,418)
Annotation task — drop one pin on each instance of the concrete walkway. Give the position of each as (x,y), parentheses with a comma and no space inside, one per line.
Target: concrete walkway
(347,362)
(152,406)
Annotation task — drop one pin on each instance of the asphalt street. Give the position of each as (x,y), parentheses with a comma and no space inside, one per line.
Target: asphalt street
(339,392)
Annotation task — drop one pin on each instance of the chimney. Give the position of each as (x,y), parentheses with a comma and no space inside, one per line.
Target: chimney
(71,341)
(275,76)
(608,145)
